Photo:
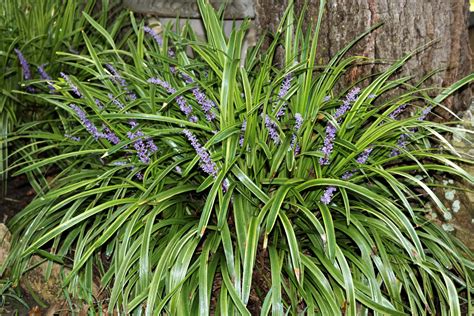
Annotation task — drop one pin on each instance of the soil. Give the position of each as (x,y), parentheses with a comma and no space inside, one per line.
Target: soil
(19,194)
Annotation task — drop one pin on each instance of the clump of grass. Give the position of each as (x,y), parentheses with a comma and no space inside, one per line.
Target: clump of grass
(31,33)
(184,177)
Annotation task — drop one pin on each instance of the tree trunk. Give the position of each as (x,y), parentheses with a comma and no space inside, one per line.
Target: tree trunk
(408,24)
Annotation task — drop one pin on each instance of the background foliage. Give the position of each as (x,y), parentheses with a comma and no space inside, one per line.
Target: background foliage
(37,30)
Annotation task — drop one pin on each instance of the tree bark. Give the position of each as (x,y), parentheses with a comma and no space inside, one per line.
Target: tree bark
(408,24)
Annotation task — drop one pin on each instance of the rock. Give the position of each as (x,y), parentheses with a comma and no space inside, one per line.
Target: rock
(458,195)
(5,238)
(49,290)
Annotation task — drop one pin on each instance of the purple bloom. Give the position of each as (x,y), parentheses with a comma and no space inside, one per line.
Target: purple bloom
(110,136)
(144,147)
(242,133)
(285,86)
(401,143)
(372,96)
(297,149)
(225,185)
(183,105)
(44,75)
(201,98)
(397,111)
(272,130)
(139,175)
(24,64)
(153,34)
(298,121)
(74,138)
(327,98)
(328,144)
(327,195)
(297,127)
(347,175)
(115,101)
(424,113)
(187,78)
(206,104)
(74,89)
(90,127)
(346,105)
(281,112)
(162,83)
(118,79)
(133,123)
(362,159)
(178,169)
(99,105)
(206,163)
(152,148)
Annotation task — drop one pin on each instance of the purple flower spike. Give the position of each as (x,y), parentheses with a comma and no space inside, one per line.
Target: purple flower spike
(401,143)
(110,136)
(225,185)
(118,79)
(397,111)
(115,101)
(90,127)
(153,34)
(183,105)
(201,98)
(162,83)
(424,113)
(327,98)
(133,123)
(272,130)
(24,64)
(285,86)
(297,127)
(362,159)
(346,105)
(327,195)
(347,175)
(144,147)
(44,75)
(242,133)
(74,89)
(206,163)
(73,138)
(206,104)
(328,144)
(99,104)
(299,121)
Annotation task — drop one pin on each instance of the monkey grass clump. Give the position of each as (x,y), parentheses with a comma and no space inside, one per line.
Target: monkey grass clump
(244,189)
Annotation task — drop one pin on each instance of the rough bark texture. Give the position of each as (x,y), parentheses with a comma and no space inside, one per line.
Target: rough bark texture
(408,24)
